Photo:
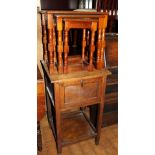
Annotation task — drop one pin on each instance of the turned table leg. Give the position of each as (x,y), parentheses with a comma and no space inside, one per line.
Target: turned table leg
(100,112)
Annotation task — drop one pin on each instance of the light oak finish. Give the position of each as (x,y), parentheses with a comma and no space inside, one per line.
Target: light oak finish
(57,20)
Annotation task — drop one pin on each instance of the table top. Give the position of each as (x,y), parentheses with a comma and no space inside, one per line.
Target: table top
(72,12)
(56,77)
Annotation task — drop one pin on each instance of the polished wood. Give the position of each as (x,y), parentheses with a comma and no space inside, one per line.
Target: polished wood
(101,20)
(102,48)
(99,46)
(111,96)
(92,46)
(50,43)
(60,46)
(66,50)
(62,12)
(83,44)
(74,81)
(111,50)
(83,24)
(74,90)
(77,20)
(110,115)
(54,44)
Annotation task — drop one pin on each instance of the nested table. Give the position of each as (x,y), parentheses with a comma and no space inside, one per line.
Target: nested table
(56,26)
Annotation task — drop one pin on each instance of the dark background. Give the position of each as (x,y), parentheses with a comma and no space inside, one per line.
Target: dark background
(61,4)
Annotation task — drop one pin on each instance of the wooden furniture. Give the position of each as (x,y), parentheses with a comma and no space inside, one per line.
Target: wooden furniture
(40,107)
(110,6)
(65,92)
(49,18)
(110,115)
(111,97)
(74,82)
(111,58)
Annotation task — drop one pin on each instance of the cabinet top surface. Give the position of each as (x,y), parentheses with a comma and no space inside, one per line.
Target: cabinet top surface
(79,75)
(76,75)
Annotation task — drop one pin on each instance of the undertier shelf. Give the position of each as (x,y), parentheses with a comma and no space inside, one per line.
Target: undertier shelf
(76,127)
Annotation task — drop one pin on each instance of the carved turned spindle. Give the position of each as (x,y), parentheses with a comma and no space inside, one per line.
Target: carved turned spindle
(54,45)
(45,55)
(102,49)
(83,44)
(66,50)
(60,45)
(103,43)
(92,46)
(98,64)
(50,43)
(99,49)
